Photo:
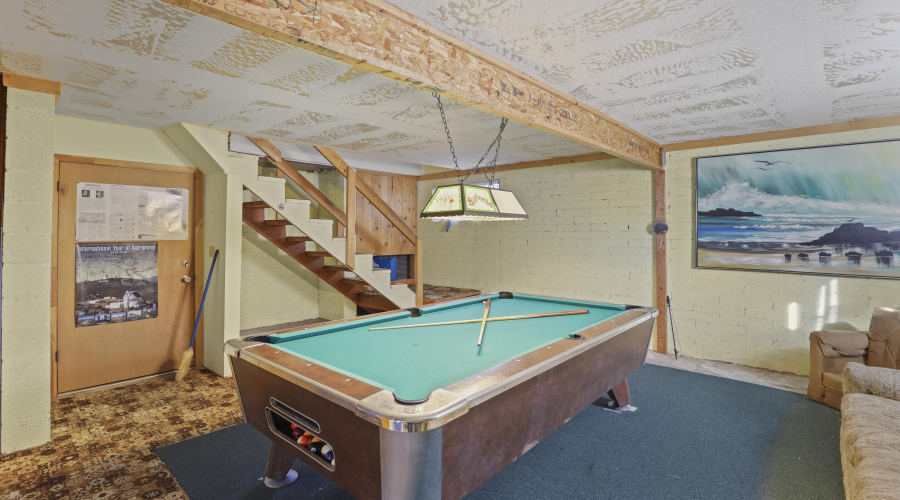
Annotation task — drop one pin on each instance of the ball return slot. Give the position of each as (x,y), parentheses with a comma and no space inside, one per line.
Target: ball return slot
(301,436)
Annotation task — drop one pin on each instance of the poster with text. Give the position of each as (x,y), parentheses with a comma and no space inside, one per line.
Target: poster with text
(117,212)
(115,282)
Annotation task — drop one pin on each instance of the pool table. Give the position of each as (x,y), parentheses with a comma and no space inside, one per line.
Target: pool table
(424,412)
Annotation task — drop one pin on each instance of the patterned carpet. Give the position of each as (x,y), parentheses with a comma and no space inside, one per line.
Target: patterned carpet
(102,441)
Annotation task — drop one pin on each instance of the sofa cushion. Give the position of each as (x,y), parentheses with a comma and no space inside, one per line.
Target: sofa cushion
(832,382)
(870,446)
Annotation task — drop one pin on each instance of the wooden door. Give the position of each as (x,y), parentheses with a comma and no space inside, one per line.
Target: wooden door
(95,348)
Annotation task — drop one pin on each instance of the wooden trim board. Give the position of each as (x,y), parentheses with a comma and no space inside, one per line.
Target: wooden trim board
(374,36)
(525,164)
(33,84)
(890,121)
(199,270)
(2,150)
(54,284)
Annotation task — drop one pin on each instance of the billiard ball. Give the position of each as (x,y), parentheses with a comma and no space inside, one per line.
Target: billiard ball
(294,426)
(315,445)
(296,433)
(304,439)
(327,453)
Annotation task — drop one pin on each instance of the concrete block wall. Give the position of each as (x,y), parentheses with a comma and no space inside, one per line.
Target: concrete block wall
(275,288)
(586,237)
(755,318)
(333,305)
(27,228)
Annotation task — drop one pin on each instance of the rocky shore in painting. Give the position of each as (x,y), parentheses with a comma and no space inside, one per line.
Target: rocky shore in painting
(727,212)
(856,234)
(851,247)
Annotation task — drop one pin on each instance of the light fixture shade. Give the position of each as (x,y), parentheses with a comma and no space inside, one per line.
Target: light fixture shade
(467,202)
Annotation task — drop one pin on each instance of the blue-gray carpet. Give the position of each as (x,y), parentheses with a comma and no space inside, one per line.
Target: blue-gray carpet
(693,436)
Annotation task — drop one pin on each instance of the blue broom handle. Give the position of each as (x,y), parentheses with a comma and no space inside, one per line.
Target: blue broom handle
(203,300)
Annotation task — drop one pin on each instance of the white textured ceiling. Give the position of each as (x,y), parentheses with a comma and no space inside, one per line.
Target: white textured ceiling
(682,70)
(150,64)
(675,70)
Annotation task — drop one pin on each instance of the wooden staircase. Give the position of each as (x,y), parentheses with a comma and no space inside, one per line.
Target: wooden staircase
(286,222)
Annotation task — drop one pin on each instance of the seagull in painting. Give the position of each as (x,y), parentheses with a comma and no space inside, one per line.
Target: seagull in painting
(851,220)
(770,163)
(763,168)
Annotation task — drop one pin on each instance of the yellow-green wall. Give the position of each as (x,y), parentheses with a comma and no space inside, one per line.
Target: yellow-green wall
(586,236)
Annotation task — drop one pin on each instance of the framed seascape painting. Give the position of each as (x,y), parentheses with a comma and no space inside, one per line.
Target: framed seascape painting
(822,210)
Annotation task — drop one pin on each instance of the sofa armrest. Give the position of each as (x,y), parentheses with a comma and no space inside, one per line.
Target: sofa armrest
(883,382)
(840,343)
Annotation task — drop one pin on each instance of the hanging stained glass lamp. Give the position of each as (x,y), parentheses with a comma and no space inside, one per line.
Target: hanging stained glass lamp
(463,201)
(467,202)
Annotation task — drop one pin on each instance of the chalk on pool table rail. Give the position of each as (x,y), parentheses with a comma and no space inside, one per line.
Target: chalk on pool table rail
(414,312)
(506,295)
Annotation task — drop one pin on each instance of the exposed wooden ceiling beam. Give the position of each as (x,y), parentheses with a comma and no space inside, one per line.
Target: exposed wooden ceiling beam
(375,36)
(526,164)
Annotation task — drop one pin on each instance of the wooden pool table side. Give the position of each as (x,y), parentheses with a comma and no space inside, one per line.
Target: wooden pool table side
(502,412)
(495,433)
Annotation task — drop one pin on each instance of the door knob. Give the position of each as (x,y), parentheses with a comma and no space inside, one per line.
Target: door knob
(186,279)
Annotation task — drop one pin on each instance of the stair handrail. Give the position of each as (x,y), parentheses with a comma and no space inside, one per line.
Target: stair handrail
(354,183)
(274,156)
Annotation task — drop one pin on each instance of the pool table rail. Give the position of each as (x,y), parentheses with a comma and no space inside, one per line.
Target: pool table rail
(380,406)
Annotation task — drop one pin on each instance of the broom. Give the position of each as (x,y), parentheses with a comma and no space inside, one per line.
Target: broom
(189,353)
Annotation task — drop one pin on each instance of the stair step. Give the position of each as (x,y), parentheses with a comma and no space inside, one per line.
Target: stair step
(278,222)
(337,267)
(359,283)
(319,254)
(256,204)
(298,239)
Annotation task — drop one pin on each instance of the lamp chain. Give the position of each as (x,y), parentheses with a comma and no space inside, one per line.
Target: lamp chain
(496,141)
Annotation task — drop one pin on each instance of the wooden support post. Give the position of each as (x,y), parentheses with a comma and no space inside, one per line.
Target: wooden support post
(350,259)
(418,266)
(659,201)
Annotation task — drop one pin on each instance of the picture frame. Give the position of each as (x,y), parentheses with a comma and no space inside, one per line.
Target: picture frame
(830,210)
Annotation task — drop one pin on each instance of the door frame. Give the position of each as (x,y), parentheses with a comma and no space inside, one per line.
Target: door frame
(198,267)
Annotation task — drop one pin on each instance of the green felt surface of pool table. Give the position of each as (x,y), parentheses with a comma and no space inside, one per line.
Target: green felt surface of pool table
(413,362)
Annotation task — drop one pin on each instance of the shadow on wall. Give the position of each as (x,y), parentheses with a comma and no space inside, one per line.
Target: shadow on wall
(257,240)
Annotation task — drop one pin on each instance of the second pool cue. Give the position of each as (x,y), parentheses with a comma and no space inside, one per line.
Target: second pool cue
(487,309)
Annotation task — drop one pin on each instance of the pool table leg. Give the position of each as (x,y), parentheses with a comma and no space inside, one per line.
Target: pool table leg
(620,395)
(278,466)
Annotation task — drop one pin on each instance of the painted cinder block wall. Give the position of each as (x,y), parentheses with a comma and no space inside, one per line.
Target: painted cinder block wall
(26,313)
(754,318)
(586,237)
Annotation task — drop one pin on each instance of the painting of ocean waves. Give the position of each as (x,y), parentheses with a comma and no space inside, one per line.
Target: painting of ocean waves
(824,210)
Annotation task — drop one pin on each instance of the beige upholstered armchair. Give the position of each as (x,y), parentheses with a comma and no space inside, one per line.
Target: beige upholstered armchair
(830,351)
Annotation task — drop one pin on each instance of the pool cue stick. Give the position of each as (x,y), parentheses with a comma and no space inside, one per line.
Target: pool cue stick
(188,355)
(504,318)
(487,308)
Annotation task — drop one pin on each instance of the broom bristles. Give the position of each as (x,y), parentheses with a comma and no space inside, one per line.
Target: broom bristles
(185,365)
